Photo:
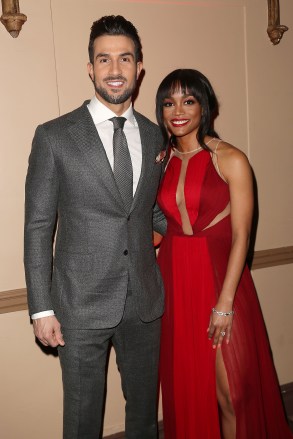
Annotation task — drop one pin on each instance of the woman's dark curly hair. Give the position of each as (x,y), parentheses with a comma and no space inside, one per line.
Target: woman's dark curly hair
(193,83)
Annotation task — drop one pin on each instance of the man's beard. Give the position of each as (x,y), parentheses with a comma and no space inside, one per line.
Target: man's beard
(113,99)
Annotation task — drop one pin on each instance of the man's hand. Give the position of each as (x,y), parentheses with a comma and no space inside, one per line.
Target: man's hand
(48,331)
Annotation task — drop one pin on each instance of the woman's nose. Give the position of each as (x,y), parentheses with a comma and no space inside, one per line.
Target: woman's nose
(178,109)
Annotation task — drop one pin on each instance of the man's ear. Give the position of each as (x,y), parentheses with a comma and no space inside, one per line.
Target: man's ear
(90,69)
(138,68)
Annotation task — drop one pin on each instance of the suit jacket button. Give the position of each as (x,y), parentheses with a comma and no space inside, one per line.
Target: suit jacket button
(125,252)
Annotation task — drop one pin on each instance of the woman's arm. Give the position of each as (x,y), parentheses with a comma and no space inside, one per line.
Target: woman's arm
(236,170)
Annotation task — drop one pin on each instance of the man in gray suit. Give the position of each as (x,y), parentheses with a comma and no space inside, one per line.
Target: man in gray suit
(102,286)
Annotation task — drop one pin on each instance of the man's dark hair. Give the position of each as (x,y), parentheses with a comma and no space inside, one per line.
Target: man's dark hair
(114,25)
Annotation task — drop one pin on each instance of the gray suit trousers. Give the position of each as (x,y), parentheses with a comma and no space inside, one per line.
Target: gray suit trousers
(84,362)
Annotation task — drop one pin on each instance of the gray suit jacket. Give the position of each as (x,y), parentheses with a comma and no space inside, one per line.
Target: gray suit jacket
(99,247)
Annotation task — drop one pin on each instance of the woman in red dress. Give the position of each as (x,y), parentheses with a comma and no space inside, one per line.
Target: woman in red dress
(217,375)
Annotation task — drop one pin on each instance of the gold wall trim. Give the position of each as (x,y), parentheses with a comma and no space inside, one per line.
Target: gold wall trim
(16,300)
(272,257)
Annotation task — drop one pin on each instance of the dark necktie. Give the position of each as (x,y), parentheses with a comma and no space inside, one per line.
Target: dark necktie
(123,172)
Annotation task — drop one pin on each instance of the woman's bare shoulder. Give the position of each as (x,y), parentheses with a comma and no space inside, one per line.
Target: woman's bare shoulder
(230,158)
(228,152)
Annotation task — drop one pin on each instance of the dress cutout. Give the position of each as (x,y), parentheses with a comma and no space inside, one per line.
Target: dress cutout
(180,195)
(193,259)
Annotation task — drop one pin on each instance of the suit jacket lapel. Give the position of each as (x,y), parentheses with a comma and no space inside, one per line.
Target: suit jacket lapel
(86,137)
(147,157)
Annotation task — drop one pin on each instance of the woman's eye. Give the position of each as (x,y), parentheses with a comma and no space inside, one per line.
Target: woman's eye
(167,104)
(190,102)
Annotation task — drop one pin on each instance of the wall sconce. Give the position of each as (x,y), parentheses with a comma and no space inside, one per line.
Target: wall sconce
(275,30)
(11,17)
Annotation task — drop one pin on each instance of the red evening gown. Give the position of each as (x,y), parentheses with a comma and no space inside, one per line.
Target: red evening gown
(193,259)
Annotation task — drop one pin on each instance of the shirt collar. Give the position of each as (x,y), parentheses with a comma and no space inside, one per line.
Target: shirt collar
(100,112)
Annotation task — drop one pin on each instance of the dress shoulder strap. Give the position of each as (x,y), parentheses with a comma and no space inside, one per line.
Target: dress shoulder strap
(214,157)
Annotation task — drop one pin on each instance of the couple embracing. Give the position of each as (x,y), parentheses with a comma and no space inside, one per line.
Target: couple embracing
(98,171)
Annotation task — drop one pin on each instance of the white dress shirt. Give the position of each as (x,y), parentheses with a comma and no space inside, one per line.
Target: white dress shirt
(101,115)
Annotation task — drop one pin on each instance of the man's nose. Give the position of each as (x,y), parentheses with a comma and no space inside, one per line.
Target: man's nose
(115,67)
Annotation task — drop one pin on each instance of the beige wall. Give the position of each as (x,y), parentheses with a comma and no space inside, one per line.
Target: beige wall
(43,74)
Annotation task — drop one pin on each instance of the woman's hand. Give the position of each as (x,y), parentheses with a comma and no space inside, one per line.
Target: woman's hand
(220,326)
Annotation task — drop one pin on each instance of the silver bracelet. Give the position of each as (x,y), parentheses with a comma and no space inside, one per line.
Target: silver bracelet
(222,313)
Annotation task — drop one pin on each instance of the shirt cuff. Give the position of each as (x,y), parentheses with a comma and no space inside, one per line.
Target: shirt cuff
(39,315)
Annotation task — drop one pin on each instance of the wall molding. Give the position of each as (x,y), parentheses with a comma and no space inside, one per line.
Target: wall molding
(16,300)
(272,257)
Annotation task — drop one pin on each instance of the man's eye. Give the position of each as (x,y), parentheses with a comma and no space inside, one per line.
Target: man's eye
(125,59)
(103,60)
